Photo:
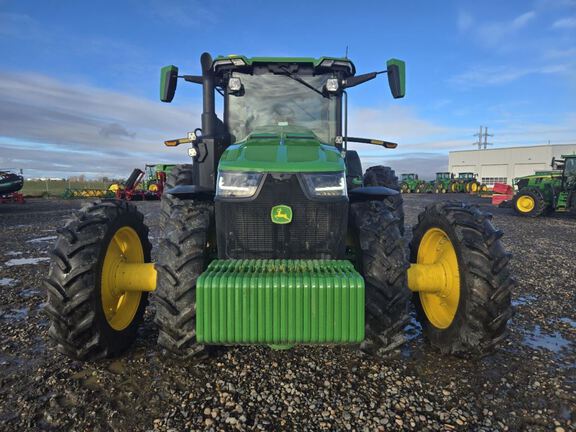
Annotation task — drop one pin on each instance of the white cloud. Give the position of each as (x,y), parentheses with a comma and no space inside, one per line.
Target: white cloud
(495,34)
(565,23)
(46,122)
(481,76)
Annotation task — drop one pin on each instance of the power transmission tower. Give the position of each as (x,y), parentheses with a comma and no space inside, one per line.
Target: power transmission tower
(484,135)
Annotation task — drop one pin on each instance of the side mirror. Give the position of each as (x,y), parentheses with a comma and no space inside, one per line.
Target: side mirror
(168,80)
(396,77)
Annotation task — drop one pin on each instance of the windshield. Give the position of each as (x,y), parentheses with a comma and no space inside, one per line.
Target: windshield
(278,100)
(570,167)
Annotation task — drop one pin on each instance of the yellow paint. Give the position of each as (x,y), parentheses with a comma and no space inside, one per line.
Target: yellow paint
(474,187)
(124,277)
(436,278)
(281,215)
(525,203)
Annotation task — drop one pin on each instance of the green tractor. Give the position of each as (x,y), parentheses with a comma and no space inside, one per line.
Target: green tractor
(263,240)
(553,190)
(465,182)
(410,183)
(442,182)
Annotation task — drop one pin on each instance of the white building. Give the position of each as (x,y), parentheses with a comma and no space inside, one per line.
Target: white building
(502,165)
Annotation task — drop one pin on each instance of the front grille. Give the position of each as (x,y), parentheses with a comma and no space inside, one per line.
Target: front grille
(317,230)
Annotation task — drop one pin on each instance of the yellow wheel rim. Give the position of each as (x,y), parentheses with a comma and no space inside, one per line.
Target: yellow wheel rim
(453,187)
(120,307)
(440,307)
(474,187)
(525,204)
(153,187)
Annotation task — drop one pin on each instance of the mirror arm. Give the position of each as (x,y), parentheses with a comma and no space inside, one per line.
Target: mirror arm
(196,79)
(386,144)
(360,79)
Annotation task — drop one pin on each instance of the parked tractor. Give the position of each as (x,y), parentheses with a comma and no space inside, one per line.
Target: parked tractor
(465,182)
(410,183)
(442,182)
(548,190)
(263,240)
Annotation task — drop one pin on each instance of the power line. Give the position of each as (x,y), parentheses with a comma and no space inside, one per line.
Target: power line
(484,135)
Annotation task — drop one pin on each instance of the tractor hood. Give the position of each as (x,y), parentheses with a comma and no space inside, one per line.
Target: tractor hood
(282,149)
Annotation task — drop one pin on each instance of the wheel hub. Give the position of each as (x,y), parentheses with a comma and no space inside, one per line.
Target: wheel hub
(124,276)
(436,278)
(525,203)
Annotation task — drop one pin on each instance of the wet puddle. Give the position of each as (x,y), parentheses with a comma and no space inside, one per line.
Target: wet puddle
(7,281)
(549,341)
(42,239)
(566,320)
(15,314)
(29,292)
(25,261)
(522,300)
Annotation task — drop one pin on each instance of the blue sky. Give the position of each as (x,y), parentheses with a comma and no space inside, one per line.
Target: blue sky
(79,80)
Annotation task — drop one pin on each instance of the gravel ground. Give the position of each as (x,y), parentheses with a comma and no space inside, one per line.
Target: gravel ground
(528,384)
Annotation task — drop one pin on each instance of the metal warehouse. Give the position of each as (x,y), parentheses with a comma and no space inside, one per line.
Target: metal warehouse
(502,165)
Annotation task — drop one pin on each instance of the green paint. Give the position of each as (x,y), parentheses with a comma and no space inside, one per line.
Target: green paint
(168,77)
(281,214)
(282,149)
(279,302)
(402,70)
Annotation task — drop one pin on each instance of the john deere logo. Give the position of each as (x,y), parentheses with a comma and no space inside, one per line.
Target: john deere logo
(281,214)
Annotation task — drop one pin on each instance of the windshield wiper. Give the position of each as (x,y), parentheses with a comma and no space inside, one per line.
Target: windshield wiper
(296,78)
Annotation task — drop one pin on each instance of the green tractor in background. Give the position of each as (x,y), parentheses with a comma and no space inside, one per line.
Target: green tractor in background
(548,190)
(410,183)
(442,182)
(264,241)
(465,182)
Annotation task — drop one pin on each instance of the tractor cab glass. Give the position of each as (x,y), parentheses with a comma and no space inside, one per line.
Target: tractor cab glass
(570,167)
(278,100)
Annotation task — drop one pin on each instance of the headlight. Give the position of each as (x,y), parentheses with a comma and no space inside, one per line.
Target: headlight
(234,84)
(326,184)
(237,185)
(332,85)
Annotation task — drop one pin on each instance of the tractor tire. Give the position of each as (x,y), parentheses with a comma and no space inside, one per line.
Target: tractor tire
(404,188)
(454,187)
(180,175)
(385,176)
(572,203)
(183,256)
(75,283)
(382,261)
(529,202)
(476,322)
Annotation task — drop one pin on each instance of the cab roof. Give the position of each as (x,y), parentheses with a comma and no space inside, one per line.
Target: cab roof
(327,63)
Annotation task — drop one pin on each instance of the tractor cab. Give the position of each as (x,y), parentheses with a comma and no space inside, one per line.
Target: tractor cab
(443,176)
(568,167)
(405,177)
(466,176)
